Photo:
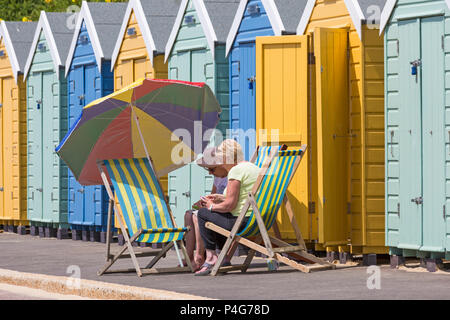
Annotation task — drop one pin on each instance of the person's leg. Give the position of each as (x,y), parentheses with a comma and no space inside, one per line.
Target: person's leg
(211,238)
(190,235)
(199,256)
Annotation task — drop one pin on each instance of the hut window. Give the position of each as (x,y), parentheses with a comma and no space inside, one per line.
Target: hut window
(253,9)
(2,53)
(189,20)
(131,31)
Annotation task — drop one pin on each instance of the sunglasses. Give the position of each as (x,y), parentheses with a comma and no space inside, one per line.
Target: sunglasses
(211,170)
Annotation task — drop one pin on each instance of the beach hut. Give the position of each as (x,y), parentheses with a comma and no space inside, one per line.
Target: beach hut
(417,47)
(337,60)
(196,52)
(139,50)
(254,18)
(89,77)
(15,43)
(47,125)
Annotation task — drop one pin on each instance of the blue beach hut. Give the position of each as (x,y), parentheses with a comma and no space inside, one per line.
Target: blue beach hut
(253,18)
(89,77)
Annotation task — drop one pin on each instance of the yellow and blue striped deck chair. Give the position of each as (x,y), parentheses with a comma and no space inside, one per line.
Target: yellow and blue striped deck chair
(265,201)
(144,212)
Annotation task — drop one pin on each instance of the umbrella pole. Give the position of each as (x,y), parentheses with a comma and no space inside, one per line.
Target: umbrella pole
(151,164)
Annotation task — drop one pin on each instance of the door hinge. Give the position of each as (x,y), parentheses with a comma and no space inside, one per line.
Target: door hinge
(443,213)
(349,208)
(311,58)
(443,43)
(398,209)
(312,207)
(398,47)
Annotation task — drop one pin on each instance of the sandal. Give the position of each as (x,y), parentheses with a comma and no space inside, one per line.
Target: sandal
(205,272)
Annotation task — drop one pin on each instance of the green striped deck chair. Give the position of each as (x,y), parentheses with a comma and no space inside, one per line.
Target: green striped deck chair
(265,201)
(144,214)
(259,156)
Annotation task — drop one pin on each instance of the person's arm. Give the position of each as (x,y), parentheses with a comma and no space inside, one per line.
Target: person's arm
(214,189)
(230,201)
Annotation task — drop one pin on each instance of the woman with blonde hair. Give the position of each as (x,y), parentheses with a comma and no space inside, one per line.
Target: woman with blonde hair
(222,210)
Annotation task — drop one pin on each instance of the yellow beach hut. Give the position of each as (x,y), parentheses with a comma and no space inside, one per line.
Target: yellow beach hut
(15,43)
(337,61)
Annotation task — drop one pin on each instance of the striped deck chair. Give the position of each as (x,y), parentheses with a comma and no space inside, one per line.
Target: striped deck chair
(259,156)
(265,200)
(144,214)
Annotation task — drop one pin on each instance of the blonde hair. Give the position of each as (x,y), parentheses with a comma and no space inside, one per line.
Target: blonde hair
(230,151)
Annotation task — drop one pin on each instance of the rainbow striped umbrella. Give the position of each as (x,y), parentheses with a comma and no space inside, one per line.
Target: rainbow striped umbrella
(164,120)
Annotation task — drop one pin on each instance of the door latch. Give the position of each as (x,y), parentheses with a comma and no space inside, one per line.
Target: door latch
(39,102)
(187,194)
(39,189)
(251,81)
(414,65)
(418,200)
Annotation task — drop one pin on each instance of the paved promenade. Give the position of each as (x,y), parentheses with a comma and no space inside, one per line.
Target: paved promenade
(60,257)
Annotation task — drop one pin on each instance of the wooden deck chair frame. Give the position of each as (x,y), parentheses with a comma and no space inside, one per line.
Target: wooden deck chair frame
(253,159)
(273,247)
(157,254)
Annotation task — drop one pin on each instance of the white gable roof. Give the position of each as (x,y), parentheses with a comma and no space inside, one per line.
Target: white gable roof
(353,7)
(205,21)
(90,13)
(4,34)
(85,15)
(58,54)
(272,13)
(389,9)
(136,7)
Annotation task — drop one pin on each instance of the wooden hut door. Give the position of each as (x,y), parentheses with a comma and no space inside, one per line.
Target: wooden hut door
(8,136)
(330,48)
(282,104)
(247,98)
(2,209)
(422,137)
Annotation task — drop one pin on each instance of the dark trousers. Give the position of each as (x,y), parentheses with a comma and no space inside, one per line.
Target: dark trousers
(224,220)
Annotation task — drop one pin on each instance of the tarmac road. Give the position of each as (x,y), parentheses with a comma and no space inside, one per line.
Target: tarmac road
(57,257)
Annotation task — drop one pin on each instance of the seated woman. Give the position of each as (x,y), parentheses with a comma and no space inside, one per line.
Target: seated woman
(193,239)
(223,210)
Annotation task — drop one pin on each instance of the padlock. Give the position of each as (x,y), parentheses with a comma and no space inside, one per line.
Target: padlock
(250,85)
(414,70)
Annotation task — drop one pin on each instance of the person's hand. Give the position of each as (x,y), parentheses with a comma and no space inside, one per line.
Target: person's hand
(199,204)
(216,198)
(208,203)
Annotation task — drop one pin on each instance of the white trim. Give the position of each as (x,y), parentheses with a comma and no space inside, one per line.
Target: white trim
(136,7)
(205,20)
(235,26)
(272,13)
(176,27)
(353,8)
(274,17)
(305,17)
(356,14)
(44,26)
(85,15)
(387,12)
(4,33)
